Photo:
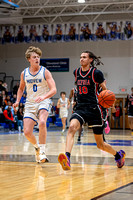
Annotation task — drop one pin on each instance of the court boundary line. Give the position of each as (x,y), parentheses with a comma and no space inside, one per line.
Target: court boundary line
(102,195)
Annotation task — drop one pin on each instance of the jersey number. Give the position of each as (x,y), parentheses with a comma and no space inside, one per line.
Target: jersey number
(83,90)
(34,87)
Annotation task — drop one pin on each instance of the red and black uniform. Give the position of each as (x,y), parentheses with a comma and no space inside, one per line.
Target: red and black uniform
(87,108)
(129,104)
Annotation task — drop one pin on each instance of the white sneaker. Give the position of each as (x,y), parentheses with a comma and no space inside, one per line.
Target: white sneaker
(37,154)
(43,158)
(63,130)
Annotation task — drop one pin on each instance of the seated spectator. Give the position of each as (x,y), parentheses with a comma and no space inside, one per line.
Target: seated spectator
(20,118)
(33,33)
(72,32)
(1,99)
(9,103)
(86,32)
(58,33)
(23,98)
(14,98)
(21,105)
(4,101)
(128,30)
(1,114)
(9,118)
(114,30)
(45,34)
(8,98)
(15,88)
(100,32)
(7,36)
(20,34)
(2,88)
(5,86)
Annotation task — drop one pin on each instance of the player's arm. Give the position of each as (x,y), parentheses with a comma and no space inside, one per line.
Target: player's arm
(68,103)
(58,103)
(20,90)
(52,87)
(71,95)
(99,78)
(103,85)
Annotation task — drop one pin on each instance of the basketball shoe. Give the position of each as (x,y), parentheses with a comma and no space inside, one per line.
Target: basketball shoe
(37,154)
(120,162)
(43,158)
(107,128)
(64,160)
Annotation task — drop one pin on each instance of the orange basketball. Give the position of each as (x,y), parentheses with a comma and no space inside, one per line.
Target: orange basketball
(106,98)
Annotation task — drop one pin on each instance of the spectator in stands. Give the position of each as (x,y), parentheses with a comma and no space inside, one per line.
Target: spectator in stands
(9,118)
(20,118)
(128,30)
(8,98)
(114,31)
(117,114)
(45,33)
(2,88)
(1,114)
(15,88)
(23,99)
(9,104)
(20,34)
(13,99)
(72,32)
(21,106)
(100,32)
(86,32)
(4,101)
(7,35)
(1,99)
(58,33)
(33,33)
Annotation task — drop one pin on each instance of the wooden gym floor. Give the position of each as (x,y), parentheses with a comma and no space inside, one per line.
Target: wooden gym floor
(94,174)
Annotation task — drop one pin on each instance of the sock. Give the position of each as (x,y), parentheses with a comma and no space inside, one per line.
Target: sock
(35,145)
(68,154)
(117,156)
(42,148)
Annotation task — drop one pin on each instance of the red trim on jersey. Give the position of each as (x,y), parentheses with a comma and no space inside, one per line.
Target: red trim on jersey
(93,75)
(86,73)
(76,75)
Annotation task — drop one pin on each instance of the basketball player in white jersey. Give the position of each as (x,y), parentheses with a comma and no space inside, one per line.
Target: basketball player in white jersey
(64,104)
(40,86)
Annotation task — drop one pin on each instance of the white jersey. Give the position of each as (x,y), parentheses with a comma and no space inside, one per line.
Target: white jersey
(36,85)
(64,103)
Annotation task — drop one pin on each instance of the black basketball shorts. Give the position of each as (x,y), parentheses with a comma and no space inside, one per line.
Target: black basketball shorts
(90,115)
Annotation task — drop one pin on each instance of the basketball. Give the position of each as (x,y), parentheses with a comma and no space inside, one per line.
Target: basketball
(106,98)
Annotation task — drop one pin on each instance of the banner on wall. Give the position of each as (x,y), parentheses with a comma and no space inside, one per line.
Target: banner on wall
(56,64)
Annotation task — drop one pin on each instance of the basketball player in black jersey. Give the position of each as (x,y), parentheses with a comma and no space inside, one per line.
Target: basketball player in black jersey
(88,78)
(129,106)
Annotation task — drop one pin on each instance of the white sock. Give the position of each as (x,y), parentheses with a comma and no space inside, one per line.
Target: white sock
(35,145)
(42,148)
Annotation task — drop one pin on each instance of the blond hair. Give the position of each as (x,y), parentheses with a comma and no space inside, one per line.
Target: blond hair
(32,49)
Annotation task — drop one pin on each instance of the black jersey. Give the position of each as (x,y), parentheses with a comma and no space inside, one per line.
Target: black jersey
(87,86)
